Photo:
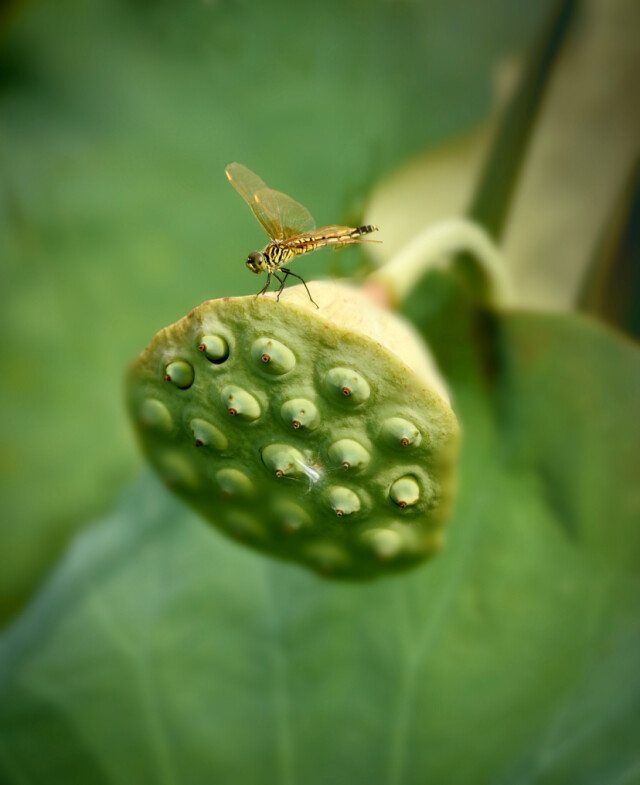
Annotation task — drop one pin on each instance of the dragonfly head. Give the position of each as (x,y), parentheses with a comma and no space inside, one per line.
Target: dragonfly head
(257,262)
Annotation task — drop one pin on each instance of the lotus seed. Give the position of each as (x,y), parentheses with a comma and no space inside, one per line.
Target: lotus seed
(273,356)
(240,403)
(234,483)
(291,516)
(327,557)
(349,454)
(405,491)
(178,471)
(385,543)
(346,383)
(343,501)
(244,526)
(179,373)
(207,435)
(283,459)
(398,432)
(300,413)
(155,415)
(214,348)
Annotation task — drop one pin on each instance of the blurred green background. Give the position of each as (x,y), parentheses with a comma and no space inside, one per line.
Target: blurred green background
(116,121)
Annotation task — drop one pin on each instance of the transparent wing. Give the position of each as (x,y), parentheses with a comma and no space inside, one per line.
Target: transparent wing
(290,216)
(279,215)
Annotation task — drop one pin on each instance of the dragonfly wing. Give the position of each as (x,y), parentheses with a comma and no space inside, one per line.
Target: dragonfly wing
(289,216)
(248,185)
(278,214)
(294,217)
(244,181)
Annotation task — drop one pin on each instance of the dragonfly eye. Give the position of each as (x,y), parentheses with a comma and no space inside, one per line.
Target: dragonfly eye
(256,262)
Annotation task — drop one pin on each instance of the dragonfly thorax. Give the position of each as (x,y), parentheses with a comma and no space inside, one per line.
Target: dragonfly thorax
(270,258)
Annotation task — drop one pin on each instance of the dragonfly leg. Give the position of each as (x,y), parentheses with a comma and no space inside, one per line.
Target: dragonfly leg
(281,282)
(287,272)
(265,287)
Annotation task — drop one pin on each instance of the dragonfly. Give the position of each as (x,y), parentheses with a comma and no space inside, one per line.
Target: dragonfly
(290,227)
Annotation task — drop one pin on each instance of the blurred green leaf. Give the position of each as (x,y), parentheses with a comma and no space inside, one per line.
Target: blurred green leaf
(160,652)
(561,393)
(117,119)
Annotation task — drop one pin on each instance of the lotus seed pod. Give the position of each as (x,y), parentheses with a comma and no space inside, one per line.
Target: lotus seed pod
(322,436)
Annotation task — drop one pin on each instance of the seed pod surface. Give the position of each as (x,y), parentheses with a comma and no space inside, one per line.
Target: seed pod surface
(319,436)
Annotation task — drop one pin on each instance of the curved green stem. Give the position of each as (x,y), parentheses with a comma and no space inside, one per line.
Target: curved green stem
(436,247)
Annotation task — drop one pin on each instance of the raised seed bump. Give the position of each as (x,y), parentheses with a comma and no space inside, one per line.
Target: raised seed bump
(283,460)
(244,526)
(273,356)
(327,557)
(398,432)
(239,402)
(214,348)
(405,491)
(345,383)
(178,472)
(233,483)
(180,373)
(300,413)
(343,501)
(155,415)
(349,454)
(291,516)
(207,435)
(385,543)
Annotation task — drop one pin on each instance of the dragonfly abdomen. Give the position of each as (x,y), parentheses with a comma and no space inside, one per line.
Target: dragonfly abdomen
(334,235)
